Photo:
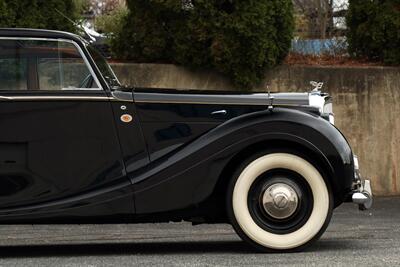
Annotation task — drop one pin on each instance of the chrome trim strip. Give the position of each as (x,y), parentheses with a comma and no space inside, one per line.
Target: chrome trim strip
(39,98)
(67,41)
(61,98)
(255,99)
(280,99)
(214,103)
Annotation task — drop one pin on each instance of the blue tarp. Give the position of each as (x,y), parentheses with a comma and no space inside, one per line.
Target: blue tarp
(319,46)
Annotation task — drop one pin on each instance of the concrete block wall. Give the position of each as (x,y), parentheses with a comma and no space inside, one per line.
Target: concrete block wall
(366,105)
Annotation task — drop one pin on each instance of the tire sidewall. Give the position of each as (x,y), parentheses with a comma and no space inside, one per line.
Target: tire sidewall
(241,232)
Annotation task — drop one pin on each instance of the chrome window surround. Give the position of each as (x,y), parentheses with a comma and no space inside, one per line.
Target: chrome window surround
(100,88)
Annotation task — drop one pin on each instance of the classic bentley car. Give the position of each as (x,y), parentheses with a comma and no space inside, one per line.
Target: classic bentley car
(77,147)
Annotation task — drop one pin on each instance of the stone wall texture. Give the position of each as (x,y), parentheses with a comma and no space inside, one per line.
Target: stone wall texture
(366,105)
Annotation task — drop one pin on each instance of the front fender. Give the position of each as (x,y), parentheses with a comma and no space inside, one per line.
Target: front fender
(190,175)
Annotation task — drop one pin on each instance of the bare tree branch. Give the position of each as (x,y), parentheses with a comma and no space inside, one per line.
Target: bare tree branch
(320,15)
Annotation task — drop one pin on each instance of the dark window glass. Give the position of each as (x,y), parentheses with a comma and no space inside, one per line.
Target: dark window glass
(43,65)
(13,74)
(104,67)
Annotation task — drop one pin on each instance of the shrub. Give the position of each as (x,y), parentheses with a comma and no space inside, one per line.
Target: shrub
(5,18)
(241,39)
(374,30)
(38,14)
(112,22)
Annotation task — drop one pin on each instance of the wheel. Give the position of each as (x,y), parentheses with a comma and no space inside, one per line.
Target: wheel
(279,201)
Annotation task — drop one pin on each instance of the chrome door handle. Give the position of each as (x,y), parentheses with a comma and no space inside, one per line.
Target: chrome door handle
(219,112)
(5,98)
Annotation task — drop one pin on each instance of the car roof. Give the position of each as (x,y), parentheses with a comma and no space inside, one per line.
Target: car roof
(38,33)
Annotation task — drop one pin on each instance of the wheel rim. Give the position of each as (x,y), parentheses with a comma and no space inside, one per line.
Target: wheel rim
(273,185)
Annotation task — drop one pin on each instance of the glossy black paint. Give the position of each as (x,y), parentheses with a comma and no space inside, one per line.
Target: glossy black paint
(168,127)
(132,141)
(56,151)
(70,157)
(35,132)
(198,165)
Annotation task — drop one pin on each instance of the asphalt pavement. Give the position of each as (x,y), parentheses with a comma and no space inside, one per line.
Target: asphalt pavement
(354,238)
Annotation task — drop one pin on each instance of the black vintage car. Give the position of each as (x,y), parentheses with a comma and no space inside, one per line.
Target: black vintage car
(77,147)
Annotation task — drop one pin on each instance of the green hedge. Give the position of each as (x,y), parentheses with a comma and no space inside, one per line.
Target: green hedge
(374,30)
(241,39)
(38,14)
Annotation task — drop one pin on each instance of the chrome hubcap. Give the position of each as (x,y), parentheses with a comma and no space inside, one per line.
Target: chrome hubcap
(280,201)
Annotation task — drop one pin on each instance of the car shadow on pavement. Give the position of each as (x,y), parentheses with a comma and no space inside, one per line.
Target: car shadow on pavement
(215,247)
(124,249)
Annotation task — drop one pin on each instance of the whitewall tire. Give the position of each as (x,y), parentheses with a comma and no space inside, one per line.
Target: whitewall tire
(279,201)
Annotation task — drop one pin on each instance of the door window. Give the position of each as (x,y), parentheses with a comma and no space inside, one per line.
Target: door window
(43,65)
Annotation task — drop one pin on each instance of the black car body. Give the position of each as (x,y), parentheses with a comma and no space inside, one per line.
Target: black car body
(76,147)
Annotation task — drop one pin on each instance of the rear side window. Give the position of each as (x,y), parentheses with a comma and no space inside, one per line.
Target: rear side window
(43,65)
(13,73)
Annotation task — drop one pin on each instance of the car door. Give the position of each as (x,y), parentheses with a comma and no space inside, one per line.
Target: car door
(58,139)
